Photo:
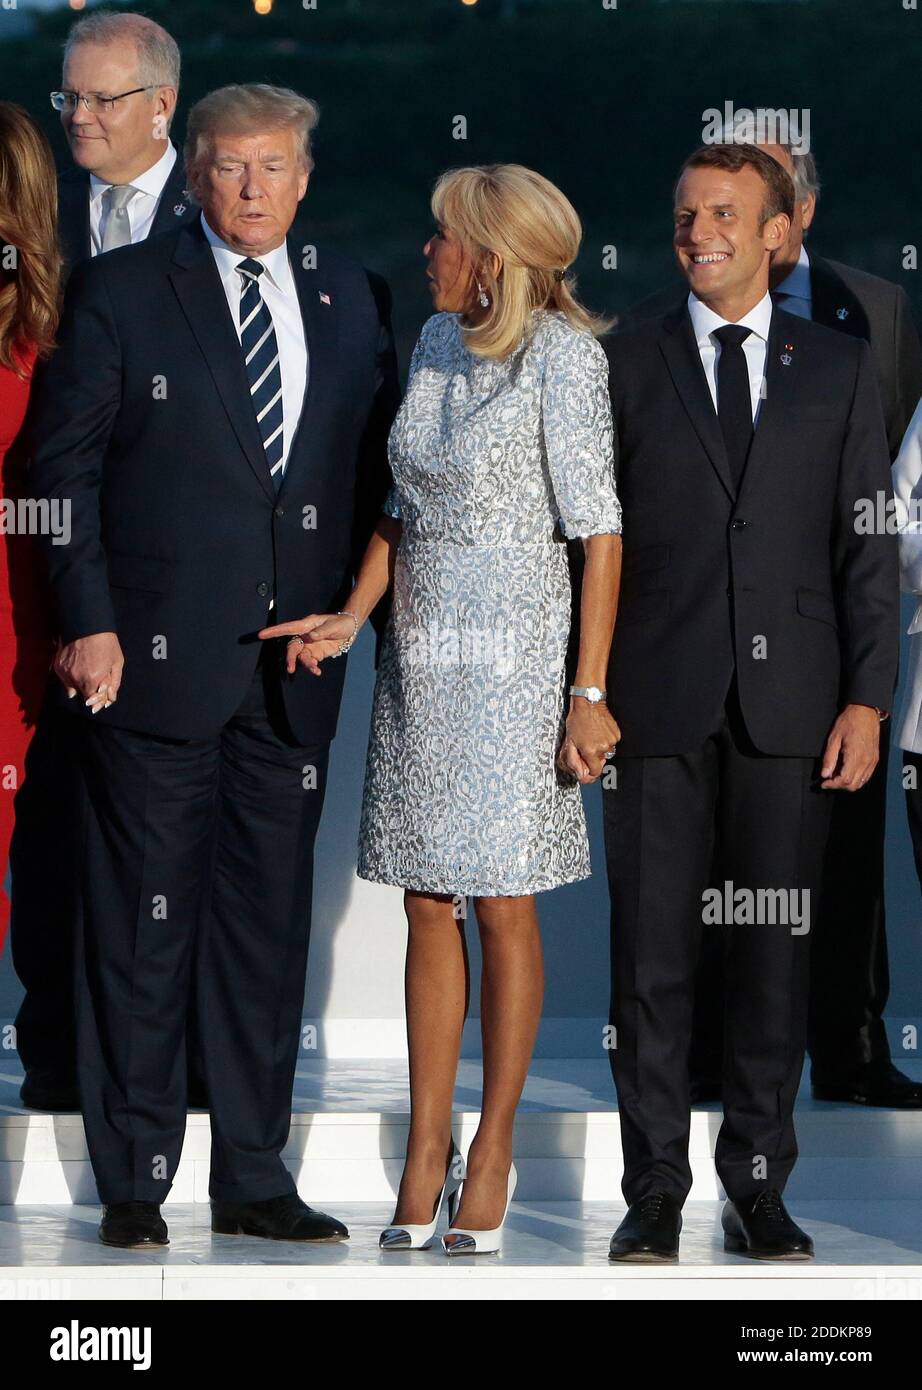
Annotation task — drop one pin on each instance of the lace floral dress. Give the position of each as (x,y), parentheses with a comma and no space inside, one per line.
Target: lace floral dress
(462,793)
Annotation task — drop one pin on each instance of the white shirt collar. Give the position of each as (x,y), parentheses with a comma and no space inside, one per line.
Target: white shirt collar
(151,182)
(797,283)
(704,320)
(276,262)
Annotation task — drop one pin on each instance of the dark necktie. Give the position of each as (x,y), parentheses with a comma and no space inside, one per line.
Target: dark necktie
(261,355)
(734,401)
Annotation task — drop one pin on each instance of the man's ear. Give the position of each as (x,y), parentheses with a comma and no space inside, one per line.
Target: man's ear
(809,210)
(304,179)
(776,230)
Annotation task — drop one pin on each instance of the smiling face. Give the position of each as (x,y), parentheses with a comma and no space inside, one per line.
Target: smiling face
(249,187)
(120,144)
(721,244)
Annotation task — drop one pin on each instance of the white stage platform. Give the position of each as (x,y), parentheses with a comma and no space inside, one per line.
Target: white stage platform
(857,1188)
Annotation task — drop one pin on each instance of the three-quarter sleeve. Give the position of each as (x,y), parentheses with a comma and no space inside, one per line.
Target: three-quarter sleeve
(579,435)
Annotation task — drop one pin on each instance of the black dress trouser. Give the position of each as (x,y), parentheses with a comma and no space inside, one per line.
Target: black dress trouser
(44,860)
(45,871)
(198,862)
(849,968)
(667,820)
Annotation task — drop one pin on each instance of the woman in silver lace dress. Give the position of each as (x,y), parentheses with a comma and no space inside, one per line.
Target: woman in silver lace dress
(502,448)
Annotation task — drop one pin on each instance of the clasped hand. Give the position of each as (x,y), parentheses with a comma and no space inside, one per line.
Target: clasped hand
(592,732)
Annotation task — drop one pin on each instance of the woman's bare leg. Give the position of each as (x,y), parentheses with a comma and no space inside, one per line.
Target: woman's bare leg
(512,990)
(437,991)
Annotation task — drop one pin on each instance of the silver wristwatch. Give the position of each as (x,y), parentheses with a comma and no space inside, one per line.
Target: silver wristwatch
(592,693)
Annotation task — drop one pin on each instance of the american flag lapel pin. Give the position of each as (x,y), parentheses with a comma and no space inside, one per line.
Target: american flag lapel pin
(325,298)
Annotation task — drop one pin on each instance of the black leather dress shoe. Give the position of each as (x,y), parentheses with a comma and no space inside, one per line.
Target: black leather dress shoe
(44,1089)
(278,1218)
(649,1233)
(761,1227)
(880,1083)
(133,1225)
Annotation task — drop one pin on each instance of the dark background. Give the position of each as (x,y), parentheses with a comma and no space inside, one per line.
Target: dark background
(606,103)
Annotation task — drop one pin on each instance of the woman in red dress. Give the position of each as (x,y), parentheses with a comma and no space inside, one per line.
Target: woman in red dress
(30,267)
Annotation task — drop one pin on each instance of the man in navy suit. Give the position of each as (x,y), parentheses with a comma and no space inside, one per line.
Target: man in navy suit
(216,417)
(117,100)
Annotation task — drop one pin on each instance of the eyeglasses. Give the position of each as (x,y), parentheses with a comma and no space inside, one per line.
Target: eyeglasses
(67,101)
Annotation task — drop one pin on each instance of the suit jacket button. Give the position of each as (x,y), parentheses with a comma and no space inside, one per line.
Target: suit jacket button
(262,590)
(280,511)
(739,523)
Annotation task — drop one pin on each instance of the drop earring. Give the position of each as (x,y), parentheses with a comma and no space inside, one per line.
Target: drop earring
(482,296)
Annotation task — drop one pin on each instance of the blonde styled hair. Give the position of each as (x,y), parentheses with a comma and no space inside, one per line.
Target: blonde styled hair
(525,220)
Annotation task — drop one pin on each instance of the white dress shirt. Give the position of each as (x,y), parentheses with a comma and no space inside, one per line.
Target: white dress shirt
(141,208)
(794,294)
(277,288)
(758,321)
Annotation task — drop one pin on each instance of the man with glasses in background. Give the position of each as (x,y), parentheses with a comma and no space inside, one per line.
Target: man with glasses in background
(118,96)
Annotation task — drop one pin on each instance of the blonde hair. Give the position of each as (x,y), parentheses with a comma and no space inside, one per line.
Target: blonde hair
(525,220)
(247,108)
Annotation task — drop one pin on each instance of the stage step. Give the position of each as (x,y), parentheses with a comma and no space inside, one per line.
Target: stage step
(349,1131)
(552,1250)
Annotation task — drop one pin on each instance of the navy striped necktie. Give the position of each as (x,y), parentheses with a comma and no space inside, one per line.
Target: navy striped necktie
(261,356)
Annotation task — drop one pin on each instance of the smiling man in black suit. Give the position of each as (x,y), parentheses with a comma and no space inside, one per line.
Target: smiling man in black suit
(850,976)
(216,415)
(754,653)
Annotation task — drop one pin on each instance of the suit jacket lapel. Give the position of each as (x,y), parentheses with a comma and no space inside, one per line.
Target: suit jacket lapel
(74,217)
(678,346)
(782,363)
(198,287)
(832,302)
(320,329)
(175,201)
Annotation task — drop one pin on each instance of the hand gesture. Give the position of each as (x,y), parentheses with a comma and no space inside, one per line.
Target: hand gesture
(312,639)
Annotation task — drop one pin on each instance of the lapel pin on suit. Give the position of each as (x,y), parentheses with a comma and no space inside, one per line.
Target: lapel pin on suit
(842,313)
(325,298)
(786,358)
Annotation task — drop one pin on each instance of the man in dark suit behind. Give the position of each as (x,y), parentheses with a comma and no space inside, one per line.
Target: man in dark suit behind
(222,459)
(754,650)
(850,978)
(127,182)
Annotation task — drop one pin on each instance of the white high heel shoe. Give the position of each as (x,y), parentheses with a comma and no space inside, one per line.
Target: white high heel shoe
(479,1242)
(420,1237)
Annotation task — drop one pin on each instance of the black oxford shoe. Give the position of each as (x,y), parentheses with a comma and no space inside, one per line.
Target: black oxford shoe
(881,1084)
(649,1233)
(133,1226)
(761,1227)
(278,1218)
